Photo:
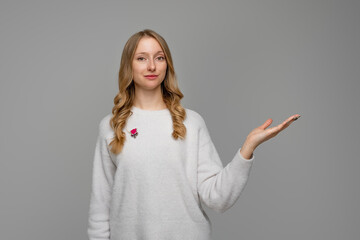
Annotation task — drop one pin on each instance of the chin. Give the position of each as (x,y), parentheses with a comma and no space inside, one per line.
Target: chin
(150,86)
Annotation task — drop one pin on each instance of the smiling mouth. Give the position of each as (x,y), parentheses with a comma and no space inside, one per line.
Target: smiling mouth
(151,76)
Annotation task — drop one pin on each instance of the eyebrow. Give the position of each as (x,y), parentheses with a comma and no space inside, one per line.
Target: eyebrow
(147,53)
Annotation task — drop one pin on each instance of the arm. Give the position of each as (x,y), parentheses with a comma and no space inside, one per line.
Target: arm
(102,181)
(219,187)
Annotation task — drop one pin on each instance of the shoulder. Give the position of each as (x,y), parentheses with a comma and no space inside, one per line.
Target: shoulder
(194,118)
(197,123)
(104,125)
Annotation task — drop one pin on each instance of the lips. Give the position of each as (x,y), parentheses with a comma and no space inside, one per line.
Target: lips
(151,77)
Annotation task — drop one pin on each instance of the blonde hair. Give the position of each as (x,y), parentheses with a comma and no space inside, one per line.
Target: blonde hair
(123,101)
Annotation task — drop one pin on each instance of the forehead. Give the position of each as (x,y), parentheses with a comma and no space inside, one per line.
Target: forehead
(148,45)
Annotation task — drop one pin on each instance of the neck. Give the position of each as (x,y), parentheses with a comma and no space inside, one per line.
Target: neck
(149,100)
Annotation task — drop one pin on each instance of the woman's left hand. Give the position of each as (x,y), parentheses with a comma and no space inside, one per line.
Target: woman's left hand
(261,134)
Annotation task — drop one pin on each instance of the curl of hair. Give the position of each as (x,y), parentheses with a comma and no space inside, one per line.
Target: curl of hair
(123,101)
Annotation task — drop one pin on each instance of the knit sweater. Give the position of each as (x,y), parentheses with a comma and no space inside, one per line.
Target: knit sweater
(155,188)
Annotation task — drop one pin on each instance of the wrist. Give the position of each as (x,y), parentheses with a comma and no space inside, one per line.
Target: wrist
(246,151)
(248,146)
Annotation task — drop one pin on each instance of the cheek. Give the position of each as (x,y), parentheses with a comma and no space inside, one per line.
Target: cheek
(137,69)
(163,68)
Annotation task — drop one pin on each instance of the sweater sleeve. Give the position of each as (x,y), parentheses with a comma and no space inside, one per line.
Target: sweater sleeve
(102,180)
(219,187)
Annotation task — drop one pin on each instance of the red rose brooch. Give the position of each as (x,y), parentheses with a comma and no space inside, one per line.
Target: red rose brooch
(134,133)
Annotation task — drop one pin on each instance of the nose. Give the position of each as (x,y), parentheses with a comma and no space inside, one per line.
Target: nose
(151,65)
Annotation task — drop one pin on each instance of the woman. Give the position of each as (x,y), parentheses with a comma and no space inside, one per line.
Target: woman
(155,163)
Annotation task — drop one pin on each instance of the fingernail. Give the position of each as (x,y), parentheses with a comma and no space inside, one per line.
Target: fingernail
(296,118)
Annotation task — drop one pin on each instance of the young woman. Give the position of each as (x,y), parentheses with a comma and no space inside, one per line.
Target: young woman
(155,163)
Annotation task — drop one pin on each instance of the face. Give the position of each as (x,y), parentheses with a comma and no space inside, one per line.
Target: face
(149,59)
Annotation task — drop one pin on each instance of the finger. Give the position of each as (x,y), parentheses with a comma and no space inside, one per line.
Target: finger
(275,130)
(296,117)
(292,118)
(266,124)
(287,122)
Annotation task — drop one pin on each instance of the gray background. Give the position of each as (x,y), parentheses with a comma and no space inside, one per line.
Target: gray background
(238,63)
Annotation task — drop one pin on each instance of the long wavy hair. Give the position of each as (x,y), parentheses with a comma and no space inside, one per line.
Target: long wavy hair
(123,101)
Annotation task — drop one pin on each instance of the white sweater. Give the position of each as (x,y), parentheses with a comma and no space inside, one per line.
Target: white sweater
(153,189)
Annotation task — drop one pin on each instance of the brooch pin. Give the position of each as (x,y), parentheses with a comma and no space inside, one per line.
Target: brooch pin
(134,133)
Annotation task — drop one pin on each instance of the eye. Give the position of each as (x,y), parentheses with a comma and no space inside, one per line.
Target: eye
(161,58)
(140,58)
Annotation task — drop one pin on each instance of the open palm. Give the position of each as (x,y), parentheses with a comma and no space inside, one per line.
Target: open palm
(261,134)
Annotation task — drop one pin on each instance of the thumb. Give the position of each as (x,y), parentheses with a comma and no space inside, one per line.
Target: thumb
(266,124)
